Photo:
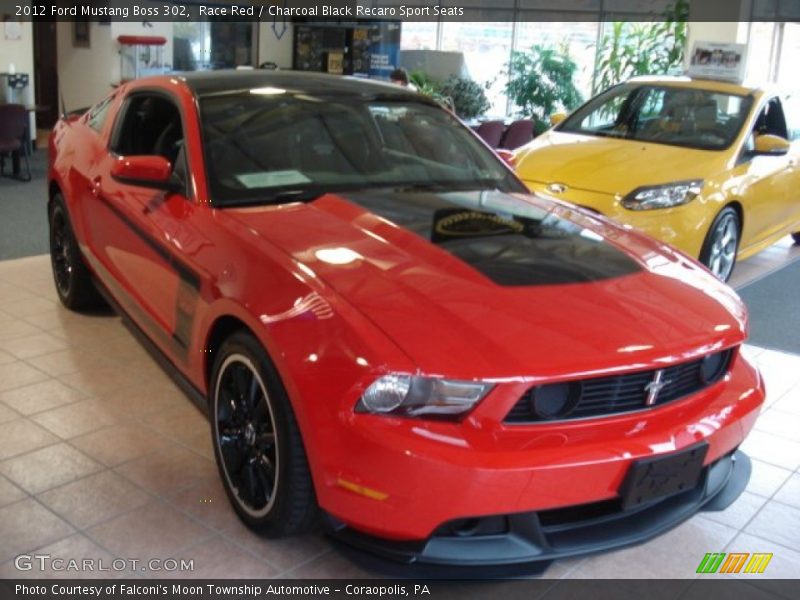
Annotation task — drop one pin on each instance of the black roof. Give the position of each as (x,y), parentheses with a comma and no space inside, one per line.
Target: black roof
(207,83)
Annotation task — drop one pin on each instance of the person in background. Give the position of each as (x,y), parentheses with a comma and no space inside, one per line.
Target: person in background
(399,77)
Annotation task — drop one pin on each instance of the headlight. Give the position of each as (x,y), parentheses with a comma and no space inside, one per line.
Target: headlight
(403,395)
(663,196)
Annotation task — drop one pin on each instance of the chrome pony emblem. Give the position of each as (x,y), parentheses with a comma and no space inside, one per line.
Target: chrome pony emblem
(654,388)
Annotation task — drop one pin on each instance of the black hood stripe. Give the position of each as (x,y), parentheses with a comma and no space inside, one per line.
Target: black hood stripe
(511,242)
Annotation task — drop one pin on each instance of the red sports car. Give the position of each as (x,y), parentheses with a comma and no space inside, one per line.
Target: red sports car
(388,332)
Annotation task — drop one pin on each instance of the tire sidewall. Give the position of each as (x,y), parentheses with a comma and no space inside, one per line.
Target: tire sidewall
(705,252)
(57,208)
(277,398)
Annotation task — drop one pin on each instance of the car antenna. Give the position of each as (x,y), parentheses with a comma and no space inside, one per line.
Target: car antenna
(63,104)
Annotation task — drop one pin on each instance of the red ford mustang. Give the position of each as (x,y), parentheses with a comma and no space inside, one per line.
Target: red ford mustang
(385,330)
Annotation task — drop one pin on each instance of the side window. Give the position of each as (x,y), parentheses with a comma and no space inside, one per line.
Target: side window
(151,125)
(771,120)
(99,113)
(791,110)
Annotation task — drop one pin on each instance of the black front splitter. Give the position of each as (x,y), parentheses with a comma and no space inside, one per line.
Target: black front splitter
(531,541)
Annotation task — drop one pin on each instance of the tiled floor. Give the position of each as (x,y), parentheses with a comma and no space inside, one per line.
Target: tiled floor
(102,457)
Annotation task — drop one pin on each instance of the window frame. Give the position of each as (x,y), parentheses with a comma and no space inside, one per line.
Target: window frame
(188,191)
(103,107)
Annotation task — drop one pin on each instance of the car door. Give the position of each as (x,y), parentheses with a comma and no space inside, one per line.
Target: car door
(143,234)
(767,181)
(91,135)
(791,109)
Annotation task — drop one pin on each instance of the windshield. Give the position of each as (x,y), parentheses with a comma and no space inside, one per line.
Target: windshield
(282,147)
(663,114)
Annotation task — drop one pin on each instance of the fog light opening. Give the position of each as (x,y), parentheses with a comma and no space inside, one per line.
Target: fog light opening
(466,527)
(555,400)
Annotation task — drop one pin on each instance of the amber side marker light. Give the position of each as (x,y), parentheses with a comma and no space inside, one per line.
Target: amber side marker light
(361,490)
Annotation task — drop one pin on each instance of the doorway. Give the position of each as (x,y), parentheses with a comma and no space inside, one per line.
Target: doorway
(45,73)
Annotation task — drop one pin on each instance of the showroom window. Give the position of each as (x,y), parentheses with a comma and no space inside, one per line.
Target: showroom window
(770,48)
(419,35)
(790,47)
(761,53)
(486,46)
(503,25)
(773,39)
(579,37)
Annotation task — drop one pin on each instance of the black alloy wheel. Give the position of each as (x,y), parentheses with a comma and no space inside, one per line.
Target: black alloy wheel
(72,278)
(245,430)
(60,253)
(257,442)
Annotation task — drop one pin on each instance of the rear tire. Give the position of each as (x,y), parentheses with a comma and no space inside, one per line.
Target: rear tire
(722,244)
(796,237)
(257,442)
(72,277)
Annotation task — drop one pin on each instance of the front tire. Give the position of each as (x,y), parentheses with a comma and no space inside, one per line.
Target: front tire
(722,244)
(257,442)
(72,278)
(796,237)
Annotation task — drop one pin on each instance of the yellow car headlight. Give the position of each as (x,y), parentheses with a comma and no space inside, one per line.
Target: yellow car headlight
(663,196)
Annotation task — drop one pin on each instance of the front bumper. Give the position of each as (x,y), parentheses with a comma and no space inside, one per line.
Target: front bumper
(536,537)
(402,479)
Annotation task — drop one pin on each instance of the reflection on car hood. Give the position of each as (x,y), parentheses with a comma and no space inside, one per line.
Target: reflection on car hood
(507,282)
(611,166)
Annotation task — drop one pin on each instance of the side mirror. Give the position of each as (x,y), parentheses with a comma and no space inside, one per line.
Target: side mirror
(556,118)
(146,171)
(771,145)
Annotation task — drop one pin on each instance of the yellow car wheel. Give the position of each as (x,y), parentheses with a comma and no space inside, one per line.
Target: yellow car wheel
(721,244)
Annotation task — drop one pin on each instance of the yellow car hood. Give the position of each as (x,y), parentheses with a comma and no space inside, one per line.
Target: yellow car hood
(609,165)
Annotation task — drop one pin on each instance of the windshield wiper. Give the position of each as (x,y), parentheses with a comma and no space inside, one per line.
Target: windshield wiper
(447,186)
(280,197)
(299,195)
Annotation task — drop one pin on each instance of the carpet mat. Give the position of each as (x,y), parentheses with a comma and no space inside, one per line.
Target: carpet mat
(774,318)
(23,212)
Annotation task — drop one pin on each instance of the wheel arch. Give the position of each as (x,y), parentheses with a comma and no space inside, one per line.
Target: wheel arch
(221,329)
(737,206)
(53,189)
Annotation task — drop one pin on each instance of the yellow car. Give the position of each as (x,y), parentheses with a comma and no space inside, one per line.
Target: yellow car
(709,167)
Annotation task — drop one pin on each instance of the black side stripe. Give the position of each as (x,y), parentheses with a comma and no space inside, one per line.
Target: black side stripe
(189,286)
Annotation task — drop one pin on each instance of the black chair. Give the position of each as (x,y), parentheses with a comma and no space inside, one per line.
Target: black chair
(491,132)
(517,134)
(13,130)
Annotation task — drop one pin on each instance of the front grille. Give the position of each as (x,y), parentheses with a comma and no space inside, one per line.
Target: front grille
(602,396)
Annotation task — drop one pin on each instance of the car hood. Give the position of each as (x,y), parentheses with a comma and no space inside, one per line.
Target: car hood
(486,284)
(611,166)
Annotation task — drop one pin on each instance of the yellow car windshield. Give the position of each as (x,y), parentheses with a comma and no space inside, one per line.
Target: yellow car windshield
(673,115)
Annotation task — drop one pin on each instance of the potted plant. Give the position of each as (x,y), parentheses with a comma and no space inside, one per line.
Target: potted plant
(541,82)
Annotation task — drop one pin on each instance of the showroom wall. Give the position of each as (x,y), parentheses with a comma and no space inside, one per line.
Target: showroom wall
(275,45)
(19,52)
(85,74)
